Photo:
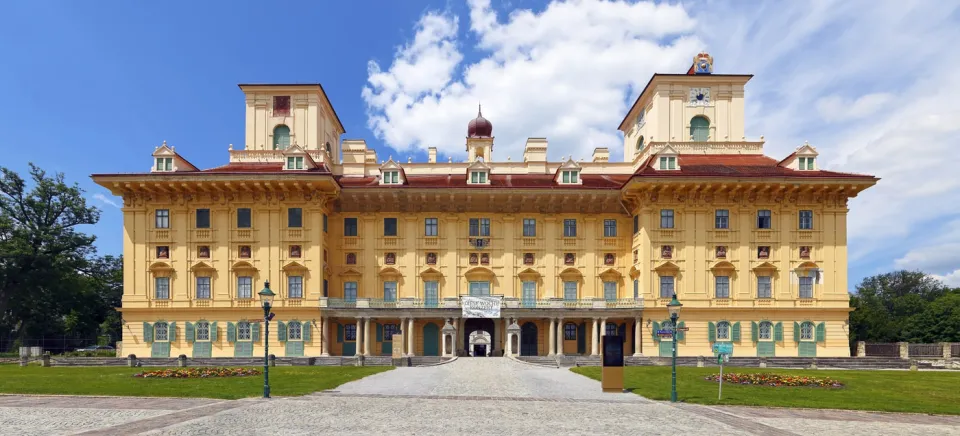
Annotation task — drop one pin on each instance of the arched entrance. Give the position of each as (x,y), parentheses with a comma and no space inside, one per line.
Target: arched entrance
(431,339)
(476,342)
(528,339)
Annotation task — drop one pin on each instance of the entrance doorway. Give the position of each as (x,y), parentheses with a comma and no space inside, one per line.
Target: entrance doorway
(479,331)
(528,339)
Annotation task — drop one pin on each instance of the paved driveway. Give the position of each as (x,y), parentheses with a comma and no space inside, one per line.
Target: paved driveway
(470,396)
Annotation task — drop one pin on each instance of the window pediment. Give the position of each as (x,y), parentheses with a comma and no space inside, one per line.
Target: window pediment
(296,158)
(568,173)
(478,173)
(391,173)
(804,158)
(166,160)
(667,159)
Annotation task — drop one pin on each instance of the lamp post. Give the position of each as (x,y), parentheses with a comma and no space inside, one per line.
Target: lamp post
(674,308)
(266,298)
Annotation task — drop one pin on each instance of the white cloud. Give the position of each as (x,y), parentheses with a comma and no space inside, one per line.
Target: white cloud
(106,200)
(952,279)
(835,109)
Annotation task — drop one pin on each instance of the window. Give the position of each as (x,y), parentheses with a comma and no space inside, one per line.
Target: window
(806,287)
(806,220)
(610,291)
(389,291)
(640,119)
(350,332)
(806,163)
(723,286)
(700,129)
(281,137)
(766,330)
(611,329)
(722,219)
(244,333)
(295,287)
(350,291)
(479,288)
(529,227)
(203,288)
(806,331)
(294,331)
(294,162)
(162,218)
(430,227)
(162,285)
(640,143)
(668,163)
(281,105)
(636,288)
(389,227)
(349,227)
(570,291)
(164,164)
(203,331)
(294,217)
(764,287)
(389,330)
(326,288)
(529,294)
(666,218)
(203,218)
(243,218)
(764,220)
(324,223)
(570,176)
(570,228)
(723,331)
(609,228)
(391,177)
(244,287)
(431,293)
(161,331)
(479,227)
(478,177)
(666,287)
(569,331)
(636,224)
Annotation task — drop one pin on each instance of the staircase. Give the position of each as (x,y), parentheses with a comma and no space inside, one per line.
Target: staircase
(545,361)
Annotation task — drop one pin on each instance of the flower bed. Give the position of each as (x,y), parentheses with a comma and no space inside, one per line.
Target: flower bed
(198,373)
(764,379)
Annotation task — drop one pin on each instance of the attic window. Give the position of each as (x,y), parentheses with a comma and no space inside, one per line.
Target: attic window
(391,177)
(294,162)
(668,163)
(570,176)
(164,164)
(478,177)
(806,163)
(281,106)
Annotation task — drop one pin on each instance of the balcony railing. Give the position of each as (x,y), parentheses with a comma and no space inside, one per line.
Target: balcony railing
(507,303)
(243,234)
(161,235)
(202,235)
(293,234)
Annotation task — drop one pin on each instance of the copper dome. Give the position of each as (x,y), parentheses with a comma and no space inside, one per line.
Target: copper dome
(479,127)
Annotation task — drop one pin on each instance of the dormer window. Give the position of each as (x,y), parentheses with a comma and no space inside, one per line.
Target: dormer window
(164,164)
(805,163)
(478,177)
(570,176)
(668,162)
(294,162)
(391,177)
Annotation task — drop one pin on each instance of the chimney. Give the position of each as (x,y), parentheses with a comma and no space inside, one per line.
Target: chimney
(432,155)
(535,150)
(601,154)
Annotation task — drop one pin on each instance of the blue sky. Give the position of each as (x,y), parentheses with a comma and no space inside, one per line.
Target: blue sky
(98,85)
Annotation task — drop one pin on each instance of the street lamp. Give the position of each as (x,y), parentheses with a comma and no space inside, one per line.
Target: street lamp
(673,307)
(266,298)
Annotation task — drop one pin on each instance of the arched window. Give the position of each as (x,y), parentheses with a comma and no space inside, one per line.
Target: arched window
(243,331)
(611,329)
(327,147)
(640,143)
(700,128)
(281,137)
(160,331)
(806,331)
(569,331)
(766,331)
(294,331)
(203,331)
(723,331)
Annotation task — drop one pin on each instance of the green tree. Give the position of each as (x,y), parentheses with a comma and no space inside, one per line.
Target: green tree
(887,305)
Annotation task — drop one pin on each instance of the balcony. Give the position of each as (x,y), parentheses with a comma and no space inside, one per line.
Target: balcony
(763,302)
(569,243)
(293,234)
(720,302)
(350,241)
(243,235)
(428,242)
(668,235)
(764,235)
(528,243)
(202,235)
(389,242)
(161,235)
(808,236)
(807,302)
(612,243)
(245,302)
(722,235)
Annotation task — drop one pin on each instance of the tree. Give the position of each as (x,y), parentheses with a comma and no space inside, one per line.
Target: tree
(889,307)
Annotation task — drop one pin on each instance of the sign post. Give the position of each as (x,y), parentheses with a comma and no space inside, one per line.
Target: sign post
(611,375)
(723,350)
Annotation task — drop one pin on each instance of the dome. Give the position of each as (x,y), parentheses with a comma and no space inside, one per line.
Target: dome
(479,127)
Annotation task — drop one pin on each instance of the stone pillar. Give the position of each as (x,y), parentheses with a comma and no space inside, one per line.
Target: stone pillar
(699,361)
(946,350)
(272,360)
(904,350)
(132,360)
(366,336)
(636,336)
(45,359)
(505,335)
(182,361)
(559,337)
(552,341)
(359,340)
(325,336)
(763,362)
(594,337)
(458,343)
(409,338)
(861,349)
(603,327)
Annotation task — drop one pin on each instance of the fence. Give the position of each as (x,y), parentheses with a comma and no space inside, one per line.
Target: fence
(904,350)
(955,349)
(925,350)
(10,347)
(883,350)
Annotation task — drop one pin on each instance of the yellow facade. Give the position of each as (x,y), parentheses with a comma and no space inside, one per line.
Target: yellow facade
(357,248)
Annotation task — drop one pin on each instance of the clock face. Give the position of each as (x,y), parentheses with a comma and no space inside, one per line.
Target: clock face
(700,96)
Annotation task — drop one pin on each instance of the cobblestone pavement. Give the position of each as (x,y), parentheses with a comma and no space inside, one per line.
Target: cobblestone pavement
(475,396)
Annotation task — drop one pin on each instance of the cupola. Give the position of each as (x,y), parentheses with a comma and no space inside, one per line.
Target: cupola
(479,127)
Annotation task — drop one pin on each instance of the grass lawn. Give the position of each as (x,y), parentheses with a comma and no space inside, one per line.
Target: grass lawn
(890,391)
(284,381)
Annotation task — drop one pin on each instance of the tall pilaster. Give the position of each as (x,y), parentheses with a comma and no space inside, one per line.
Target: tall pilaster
(325,336)
(360,335)
(636,335)
(553,341)
(559,337)
(594,338)
(366,336)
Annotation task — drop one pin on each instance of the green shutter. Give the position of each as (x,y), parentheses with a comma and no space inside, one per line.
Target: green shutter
(821,332)
(281,331)
(147,332)
(172,328)
(796,331)
(339,333)
(306,331)
(711,332)
(231,332)
(736,331)
(379,332)
(656,328)
(754,331)
(778,332)
(680,335)
(189,333)
(255,331)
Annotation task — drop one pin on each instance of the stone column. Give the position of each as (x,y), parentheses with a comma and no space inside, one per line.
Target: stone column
(594,337)
(559,337)
(359,340)
(504,334)
(603,327)
(861,349)
(458,343)
(410,338)
(366,337)
(636,336)
(947,352)
(904,350)
(325,336)
(552,340)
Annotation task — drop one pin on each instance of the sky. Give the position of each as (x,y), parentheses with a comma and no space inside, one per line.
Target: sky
(94,87)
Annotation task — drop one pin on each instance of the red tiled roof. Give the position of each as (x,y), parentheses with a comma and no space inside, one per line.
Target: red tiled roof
(534,181)
(734,166)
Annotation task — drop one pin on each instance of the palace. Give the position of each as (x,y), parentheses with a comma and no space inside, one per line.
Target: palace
(551,255)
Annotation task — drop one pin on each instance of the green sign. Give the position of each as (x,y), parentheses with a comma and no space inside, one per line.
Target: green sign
(723,347)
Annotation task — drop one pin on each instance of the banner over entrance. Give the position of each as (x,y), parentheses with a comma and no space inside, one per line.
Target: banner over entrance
(481,307)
